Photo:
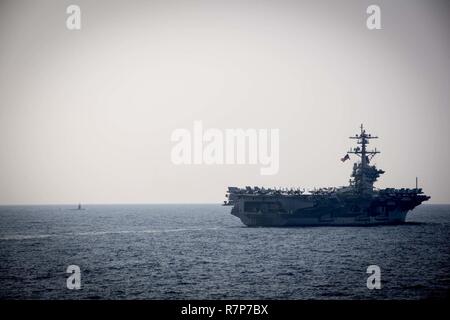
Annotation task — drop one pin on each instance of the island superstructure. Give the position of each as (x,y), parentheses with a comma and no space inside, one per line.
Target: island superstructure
(359,203)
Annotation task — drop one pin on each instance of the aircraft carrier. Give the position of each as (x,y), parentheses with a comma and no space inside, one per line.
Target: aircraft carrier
(359,203)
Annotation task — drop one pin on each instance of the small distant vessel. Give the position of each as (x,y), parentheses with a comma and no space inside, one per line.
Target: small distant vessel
(78,208)
(360,203)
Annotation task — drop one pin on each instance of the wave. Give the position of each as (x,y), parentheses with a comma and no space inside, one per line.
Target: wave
(98,233)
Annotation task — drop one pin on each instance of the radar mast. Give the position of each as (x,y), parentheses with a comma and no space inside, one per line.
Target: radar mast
(364,175)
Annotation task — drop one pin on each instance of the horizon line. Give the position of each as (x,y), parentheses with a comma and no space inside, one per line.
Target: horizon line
(141,203)
(105,203)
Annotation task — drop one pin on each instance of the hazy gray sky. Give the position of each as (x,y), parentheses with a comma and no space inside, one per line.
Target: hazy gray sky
(87,115)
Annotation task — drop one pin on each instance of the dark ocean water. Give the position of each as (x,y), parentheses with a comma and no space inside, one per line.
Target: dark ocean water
(202,252)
